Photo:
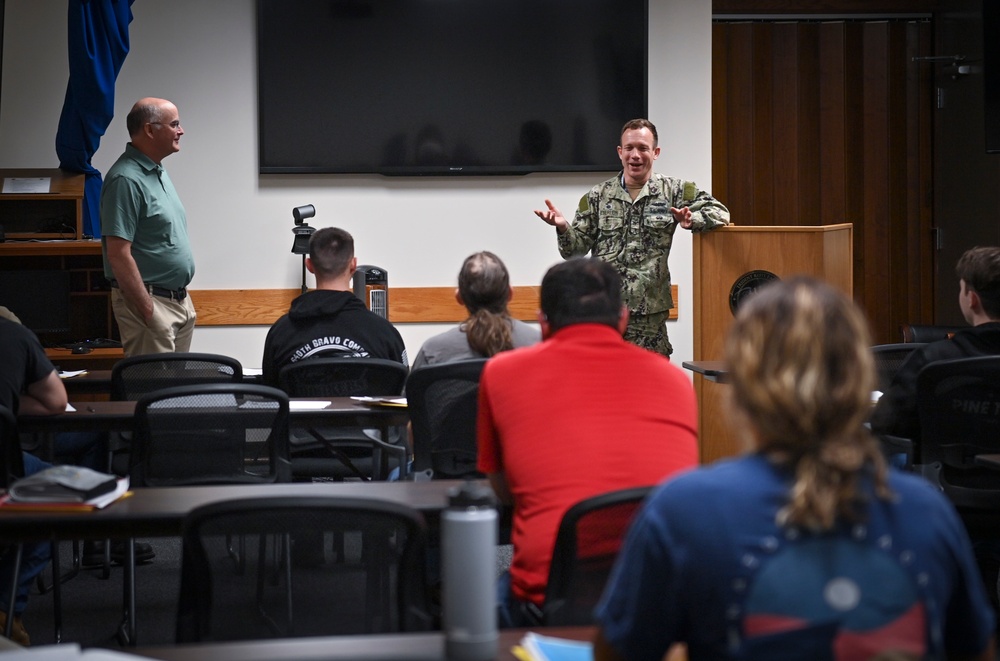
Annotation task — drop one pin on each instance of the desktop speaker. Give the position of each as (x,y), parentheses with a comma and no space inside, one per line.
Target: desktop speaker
(371,285)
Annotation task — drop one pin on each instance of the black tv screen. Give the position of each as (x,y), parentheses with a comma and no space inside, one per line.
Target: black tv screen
(39,298)
(412,87)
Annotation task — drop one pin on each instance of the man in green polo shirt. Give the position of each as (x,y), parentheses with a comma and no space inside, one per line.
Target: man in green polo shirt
(147,254)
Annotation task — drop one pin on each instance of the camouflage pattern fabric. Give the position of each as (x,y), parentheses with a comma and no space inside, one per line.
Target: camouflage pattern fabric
(649,331)
(636,236)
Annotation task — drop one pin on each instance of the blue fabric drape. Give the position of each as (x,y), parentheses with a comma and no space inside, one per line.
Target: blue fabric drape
(98,44)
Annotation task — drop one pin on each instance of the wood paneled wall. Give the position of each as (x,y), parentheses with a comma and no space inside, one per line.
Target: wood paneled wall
(407,305)
(823,122)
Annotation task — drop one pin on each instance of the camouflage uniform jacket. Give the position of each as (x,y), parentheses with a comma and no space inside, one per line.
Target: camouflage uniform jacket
(635,236)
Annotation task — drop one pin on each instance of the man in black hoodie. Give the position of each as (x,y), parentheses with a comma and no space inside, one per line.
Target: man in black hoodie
(978,271)
(330,320)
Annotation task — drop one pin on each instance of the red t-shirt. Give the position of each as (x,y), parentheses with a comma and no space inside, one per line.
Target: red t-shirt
(579,414)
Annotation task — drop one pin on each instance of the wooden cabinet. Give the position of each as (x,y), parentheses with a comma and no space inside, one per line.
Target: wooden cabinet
(44,232)
(56,214)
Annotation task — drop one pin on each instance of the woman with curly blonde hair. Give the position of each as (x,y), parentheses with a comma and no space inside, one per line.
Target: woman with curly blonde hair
(807,547)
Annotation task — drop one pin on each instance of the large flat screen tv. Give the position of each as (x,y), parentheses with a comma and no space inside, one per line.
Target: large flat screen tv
(415,87)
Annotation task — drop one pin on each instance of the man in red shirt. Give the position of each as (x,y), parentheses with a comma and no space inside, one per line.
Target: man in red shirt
(579,414)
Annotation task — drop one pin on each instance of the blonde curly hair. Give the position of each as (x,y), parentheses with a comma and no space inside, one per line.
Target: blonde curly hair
(802,373)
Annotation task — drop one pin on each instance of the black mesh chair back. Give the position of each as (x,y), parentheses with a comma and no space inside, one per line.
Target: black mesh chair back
(888,358)
(924,333)
(958,403)
(369,582)
(587,543)
(340,453)
(136,376)
(217,433)
(349,376)
(443,401)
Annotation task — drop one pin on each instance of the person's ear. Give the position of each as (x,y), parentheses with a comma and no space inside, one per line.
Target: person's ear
(309,265)
(543,322)
(458,297)
(975,303)
(623,319)
(354,266)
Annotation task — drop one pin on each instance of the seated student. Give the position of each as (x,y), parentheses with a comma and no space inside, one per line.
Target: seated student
(78,448)
(29,384)
(330,320)
(579,414)
(808,547)
(978,271)
(484,289)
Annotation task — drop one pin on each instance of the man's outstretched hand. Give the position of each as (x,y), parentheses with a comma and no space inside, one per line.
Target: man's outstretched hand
(553,217)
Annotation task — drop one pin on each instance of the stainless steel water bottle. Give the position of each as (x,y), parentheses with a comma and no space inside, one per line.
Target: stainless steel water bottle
(468,547)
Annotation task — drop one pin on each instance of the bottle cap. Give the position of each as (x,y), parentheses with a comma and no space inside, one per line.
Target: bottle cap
(471,494)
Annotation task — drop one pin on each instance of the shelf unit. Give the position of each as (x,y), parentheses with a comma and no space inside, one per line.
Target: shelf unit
(44,231)
(57,214)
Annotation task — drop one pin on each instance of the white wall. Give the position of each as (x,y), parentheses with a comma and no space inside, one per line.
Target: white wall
(201,55)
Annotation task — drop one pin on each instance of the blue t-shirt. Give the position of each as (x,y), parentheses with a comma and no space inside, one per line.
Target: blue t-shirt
(705,563)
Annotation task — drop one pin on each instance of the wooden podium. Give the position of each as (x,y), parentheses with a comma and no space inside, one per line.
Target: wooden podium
(729,263)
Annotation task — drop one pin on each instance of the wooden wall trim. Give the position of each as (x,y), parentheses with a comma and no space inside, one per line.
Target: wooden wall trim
(407,305)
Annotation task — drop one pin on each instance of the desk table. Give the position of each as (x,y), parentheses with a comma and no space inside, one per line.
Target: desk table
(384,647)
(988,461)
(160,512)
(713,370)
(98,382)
(118,416)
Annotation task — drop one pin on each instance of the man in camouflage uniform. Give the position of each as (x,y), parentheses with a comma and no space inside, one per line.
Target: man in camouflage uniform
(629,221)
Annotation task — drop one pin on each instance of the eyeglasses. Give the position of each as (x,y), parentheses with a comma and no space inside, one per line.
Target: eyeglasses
(176,124)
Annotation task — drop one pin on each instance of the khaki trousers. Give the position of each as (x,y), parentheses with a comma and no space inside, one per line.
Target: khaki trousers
(170,329)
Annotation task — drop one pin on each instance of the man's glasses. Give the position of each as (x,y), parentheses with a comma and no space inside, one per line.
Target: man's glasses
(176,124)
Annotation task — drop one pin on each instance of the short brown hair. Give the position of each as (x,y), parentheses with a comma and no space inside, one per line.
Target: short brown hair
(331,250)
(637,124)
(979,267)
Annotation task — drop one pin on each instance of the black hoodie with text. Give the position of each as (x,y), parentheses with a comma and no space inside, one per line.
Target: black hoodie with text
(322,321)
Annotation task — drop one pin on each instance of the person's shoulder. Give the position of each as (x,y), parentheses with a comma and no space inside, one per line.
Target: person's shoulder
(14,331)
(723,480)
(525,334)
(516,358)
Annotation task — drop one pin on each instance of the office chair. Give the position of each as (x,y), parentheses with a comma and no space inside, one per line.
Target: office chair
(135,376)
(139,375)
(341,453)
(376,586)
(958,404)
(888,358)
(924,333)
(590,534)
(215,433)
(443,401)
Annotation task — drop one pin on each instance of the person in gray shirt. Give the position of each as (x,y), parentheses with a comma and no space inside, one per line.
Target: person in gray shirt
(484,289)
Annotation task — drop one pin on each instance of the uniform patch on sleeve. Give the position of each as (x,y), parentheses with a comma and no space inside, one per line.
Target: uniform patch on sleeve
(584,204)
(690,191)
